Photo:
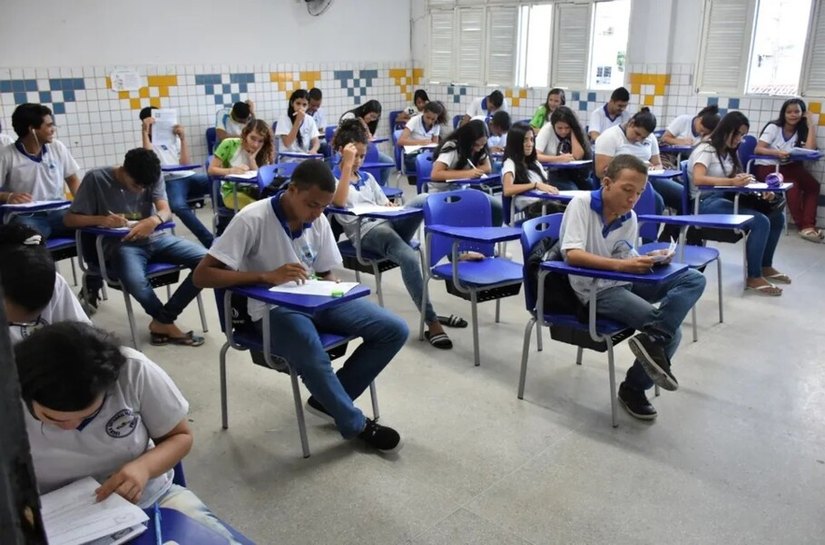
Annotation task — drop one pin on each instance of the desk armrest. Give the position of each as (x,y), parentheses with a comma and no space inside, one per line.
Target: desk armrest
(658,274)
(120,232)
(476,234)
(303,303)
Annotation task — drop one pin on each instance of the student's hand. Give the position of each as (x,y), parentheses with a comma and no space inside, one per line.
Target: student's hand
(19,198)
(668,256)
(769,196)
(566,158)
(240,169)
(178,131)
(810,116)
(637,265)
(742,179)
(392,205)
(113,221)
(475,173)
(129,482)
(348,154)
(299,116)
(251,106)
(148,122)
(287,273)
(547,188)
(141,230)
(784,155)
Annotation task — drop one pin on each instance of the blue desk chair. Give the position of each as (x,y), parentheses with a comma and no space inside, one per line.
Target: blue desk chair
(747,156)
(374,165)
(423,171)
(393,116)
(242,336)
(64,248)
(490,279)
(221,214)
(456,121)
(211,140)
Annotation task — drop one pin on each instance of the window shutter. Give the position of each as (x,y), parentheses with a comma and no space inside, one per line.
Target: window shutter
(571,44)
(813,71)
(470,67)
(727,30)
(441,4)
(502,43)
(441,45)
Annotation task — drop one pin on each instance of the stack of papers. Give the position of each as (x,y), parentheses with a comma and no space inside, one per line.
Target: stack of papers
(360,209)
(248,175)
(315,287)
(660,255)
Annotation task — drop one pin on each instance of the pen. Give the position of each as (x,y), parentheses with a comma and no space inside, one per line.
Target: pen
(158,536)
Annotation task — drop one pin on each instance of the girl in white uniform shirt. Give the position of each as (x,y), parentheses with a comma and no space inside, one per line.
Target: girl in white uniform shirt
(297,130)
(689,130)
(370,114)
(562,140)
(421,130)
(522,171)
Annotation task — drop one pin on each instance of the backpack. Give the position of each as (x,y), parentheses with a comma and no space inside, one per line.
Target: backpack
(559,297)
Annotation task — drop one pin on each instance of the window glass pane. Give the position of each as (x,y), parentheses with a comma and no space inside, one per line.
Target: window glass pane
(611,21)
(778,46)
(537,66)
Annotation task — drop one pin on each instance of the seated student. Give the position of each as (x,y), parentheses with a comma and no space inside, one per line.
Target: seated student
(5,139)
(560,141)
(35,294)
(555,98)
(316,97)
(180,185)
(611,114)
(420,99)
(97,409)
(716,162)
(523,172)
(37,167)
(239,117)
(795,127)
(370,114)
(287,238)
(498,126)
(296,130)
(462,155)
(389,239)
(599,231)
(251,151)
(689,130)
(108,197)
(486,107)
(422,129)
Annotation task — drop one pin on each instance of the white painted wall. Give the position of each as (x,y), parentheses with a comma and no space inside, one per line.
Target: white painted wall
(687,30)
(125,32)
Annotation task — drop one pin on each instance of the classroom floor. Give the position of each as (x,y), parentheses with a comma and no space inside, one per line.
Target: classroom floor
(737,455)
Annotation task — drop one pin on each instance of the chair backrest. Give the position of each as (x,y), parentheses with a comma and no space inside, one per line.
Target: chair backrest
(393,115)
(647,205)
(532,232)
(423,169)
(456,120)
(211,138)
(397,151)
(267,173)
(463,208)
(686,208)
(746,148)
(372,153)
(329,133)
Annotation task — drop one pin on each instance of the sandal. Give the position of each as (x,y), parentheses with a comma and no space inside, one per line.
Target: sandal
(452,321)
(441,341)
(810,234)
(765,289)
(782,278)
(189,339)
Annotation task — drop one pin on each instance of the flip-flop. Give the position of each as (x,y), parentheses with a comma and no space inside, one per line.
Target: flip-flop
(782,278)
(811,235)
(441,341)
(768,290)
(452,321)
(189,339)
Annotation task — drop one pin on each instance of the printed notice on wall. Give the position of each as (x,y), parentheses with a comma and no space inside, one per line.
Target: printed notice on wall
(125,79)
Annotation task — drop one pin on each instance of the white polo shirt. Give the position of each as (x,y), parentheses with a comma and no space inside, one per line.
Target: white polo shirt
(479,107)
(308,131)
(509,166)
(142,404)
(547,141)
(774,136)
(43,178)
(169,156)
(682,127)
(364,191)
(62,307)
(613,142)
(5,140)
(232,127)
(320,120)
(600,120)
(419,131)
(258,239)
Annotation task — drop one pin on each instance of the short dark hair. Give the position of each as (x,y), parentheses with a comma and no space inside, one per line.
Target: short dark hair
(143,166)
(315,94)
(28,115)
(620,95)
(624,162)
(350,130)
(146,112)
(67,365)
(496,99)
(241,111)
(313,172)
(501,119)
(27,270)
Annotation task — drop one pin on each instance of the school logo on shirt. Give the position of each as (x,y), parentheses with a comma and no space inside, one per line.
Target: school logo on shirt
(122,424)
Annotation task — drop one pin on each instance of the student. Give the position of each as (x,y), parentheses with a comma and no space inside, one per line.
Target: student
(599,231)
(562,140)
(97,409)
(486,107)
(498,127)
(239,117)
(385,238)
(370,113)
(689,130)
(287,238)
(135,190)
(420,99)
(421,130)
(37,167)
(611,114)
(316,97)
(5,139)
(463,154)
(795,127)
(180,185)
(522,171)
(296,129)
(555,98)
(35,294)
(715,162)
(251,151)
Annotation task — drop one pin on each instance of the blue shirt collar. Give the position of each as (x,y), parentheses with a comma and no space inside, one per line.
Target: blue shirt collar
(358,184)
(281,215)
(484,104)
(607,114)
(597,205)
(36,158)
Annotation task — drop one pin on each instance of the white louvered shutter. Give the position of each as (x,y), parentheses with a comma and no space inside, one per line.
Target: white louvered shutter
(441,46)
(502,45)
(470,67)
(571,43)
(727,30)
(813,72)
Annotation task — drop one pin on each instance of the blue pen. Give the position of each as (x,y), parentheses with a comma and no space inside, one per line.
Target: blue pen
(158,536)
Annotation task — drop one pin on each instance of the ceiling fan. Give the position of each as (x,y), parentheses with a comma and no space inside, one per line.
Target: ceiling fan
(317,7)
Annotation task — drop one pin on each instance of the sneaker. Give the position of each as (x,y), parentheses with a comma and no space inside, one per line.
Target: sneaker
(636,403)
(315,407)
(88,302)
(381,437)
(654,360)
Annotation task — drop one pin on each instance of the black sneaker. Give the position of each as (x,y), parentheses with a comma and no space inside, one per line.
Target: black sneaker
(88,301)
(381,437)
(636,403)
(315,407)
(654,360)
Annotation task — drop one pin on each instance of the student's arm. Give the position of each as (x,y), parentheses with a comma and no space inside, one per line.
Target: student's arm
(402,117)
(73,182)
(700,177)
(763,147)
(184,146)
(656,162)
(76,221)
(339,198)
(220,135)
(485,166)
(145,132)
(145,227)
(216,168)
(212,273)
(441,173)
(581,258)
(406,139)
(601,164)
(672,140)
(810,143)
(464,120)
(578,148)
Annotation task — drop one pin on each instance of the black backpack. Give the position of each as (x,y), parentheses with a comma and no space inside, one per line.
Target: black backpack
(559,297)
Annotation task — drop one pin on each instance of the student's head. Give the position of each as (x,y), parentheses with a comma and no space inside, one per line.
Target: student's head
(241,112)
(141,169)
(256,139)
(420,98)
(315,98)
(494,101)
(310,190)
(728,134)
(370,111)
(792,112)
(434,113)
(27,272)
(520,144)
(65,371)
(707,118)
(146,113)
(640,125)
(351,131)
(623,183)
(618,101)
(298,100)
(565,123)
(34,120)
(470,141)
(555,98)
(500,123)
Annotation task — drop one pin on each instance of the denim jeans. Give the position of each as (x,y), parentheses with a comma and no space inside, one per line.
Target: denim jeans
(670,191)
(130,261)
(181,189)
(391,240)
(295,338)
(631,305)
(48,223)
(186,502)
(764,231)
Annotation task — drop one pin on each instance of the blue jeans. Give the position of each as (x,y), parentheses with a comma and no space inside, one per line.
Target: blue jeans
(48,223)
(764,231)
(130,261)
(181,189)
(391,240)
(295,338)
(631,305)
(670,191)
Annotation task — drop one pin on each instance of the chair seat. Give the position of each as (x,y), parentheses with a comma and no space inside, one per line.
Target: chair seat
(334,344)
(154,271)
(492,270)
(392,192)
(568,329)
(58,243)
(347,248)
(695,257)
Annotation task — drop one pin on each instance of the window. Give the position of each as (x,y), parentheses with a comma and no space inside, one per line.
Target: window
(608,50)
(533,64)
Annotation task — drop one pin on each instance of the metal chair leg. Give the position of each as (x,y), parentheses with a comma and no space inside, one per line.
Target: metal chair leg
(612,372)
(693,320)
(539,342)
(224,401)
(528,329)
(299,412)
(131,316)
(74,272)
(498,311)
(579,354)
(202,313)
(719,281)
(168,292)
(474,306)
(374,398)
(378,289)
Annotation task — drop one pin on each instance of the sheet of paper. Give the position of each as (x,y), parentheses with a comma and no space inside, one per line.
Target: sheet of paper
(656,171)
(72,516)
(163,128)
(125,79)
(574,192)
(35,204)
(660,255)
(314,287)
(248,175)
(413,149)
(581,162)
(372,208)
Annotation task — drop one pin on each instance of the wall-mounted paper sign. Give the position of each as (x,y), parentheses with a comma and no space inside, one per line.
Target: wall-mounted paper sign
(125,79)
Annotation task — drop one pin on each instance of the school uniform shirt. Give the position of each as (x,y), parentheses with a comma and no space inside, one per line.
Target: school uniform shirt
(169,156)
(365,190)
(5,140)
(600,120)
(419,131)
(231,153)
(682,127)
(613,142)
(320,120)
(143,403)
(479,107)
(705,154)
(448,157)
(549,143)
(582,228)
(259,239)
(308,131)
(509,166)
(232,127)
(42,177)
(774,136)
(62,307)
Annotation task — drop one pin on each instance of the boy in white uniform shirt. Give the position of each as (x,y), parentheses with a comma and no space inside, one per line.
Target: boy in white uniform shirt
(486,106)
(37,167)
(613,113)
(316,97)
(233,123)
